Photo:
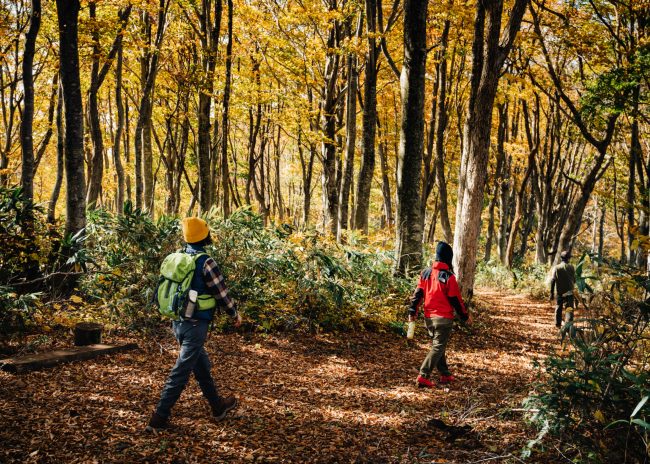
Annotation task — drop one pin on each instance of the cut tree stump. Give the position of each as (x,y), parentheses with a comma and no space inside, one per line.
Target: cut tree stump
(51,358)
(87,333)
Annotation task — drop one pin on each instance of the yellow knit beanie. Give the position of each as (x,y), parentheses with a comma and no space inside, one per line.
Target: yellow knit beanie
(195,229)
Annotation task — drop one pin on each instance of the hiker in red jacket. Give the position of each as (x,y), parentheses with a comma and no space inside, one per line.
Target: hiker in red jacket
(439,290)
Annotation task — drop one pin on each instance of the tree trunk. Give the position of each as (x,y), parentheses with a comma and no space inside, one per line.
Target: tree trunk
(27,122)
(96,170)
(408,247)
(441,126)
(328,129)
(210,25)
(385,181)
(350,137)
(225,122)
(56,190)
(143,146)
(489,54)
(490,230)
(532,137)
(367,169)
(307,170)
(117,141)
(68,19)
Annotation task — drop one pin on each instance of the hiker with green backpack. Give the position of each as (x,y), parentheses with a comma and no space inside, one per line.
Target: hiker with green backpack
(190,288)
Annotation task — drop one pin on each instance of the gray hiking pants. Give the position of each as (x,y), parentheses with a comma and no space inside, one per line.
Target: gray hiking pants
(192,359)
(439,330)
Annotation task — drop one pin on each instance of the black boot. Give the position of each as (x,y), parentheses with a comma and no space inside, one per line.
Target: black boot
(156,423)
(221,407)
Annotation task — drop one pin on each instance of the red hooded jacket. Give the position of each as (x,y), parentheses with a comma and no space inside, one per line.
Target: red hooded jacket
(439,291)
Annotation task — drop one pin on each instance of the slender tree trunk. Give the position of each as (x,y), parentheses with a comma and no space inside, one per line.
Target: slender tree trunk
(328,129)
(409,223)
(630,198)
(60,147)
(532,137)
(225,122)
(98,75)
(490,230)
(210,25)
(441,125)
(68,18)
(366,172)
(143,145)
(42,147)
(307,170)
(117,160)
(385,181)
(350,137)
(96,168)
(601,232)
(27,122)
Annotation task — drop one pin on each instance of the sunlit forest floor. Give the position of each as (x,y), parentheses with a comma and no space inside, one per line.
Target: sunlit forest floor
(321,398)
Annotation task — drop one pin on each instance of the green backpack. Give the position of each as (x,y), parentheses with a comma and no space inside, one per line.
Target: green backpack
(176,272)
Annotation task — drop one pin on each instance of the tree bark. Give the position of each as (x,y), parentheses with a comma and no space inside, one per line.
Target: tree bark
(60,147)
(385,181)
(225,121)
(98,75)
(369,124)
(441,125)
(68,19)
(117,140)
(350,137)
(143,146)
(408,249)
(328,129)
(210,25)
(489,54)
(27,122)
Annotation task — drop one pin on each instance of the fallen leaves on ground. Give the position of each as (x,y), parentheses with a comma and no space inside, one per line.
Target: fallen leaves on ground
(326,398)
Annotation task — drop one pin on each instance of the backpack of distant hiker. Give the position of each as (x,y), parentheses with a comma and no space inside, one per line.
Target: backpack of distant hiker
(176,273)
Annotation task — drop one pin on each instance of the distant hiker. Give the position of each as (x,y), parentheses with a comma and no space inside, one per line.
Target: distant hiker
(191,286)
(563,278)
(439,291)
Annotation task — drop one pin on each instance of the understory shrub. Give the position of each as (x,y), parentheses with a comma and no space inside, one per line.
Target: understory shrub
(282,279)
(530,278)
(29,250)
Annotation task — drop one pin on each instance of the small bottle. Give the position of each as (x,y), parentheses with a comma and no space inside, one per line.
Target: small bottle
(191,303)
(411,330)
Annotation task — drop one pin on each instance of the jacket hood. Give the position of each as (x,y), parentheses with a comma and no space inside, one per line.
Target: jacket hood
(444,253)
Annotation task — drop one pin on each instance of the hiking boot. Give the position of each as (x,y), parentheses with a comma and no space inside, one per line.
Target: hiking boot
(157,423)
(423,382)
(445,379)
(221,408)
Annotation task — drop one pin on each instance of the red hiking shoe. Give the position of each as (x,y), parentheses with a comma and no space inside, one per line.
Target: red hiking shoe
(445,379)
(423,382)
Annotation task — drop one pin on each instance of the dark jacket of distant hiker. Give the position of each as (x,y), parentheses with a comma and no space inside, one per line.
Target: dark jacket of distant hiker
(563,279)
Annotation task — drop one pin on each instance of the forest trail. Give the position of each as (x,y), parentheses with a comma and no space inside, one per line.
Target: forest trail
(325,398)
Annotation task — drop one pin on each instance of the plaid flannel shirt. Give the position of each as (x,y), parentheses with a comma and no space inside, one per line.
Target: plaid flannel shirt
(217,285)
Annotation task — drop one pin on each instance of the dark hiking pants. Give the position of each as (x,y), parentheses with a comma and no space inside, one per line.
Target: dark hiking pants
(192,359)
(563,302)
(439,330)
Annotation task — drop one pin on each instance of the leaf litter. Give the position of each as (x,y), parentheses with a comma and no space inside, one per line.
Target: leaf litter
(323,398)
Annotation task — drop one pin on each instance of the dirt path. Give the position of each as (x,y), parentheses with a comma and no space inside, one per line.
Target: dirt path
(330,398)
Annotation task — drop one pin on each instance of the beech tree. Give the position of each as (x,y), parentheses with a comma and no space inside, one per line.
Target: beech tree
(408,246)
(490,49)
